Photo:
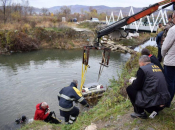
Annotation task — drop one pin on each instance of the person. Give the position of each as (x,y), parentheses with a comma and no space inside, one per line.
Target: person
(43,113)
(149,90)
(160,28)
(153,59)
(167,27)
(168,52)
(66,97)
(158,41)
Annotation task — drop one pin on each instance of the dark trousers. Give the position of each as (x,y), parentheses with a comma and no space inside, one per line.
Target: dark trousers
(170,78)
(53,120)
(66,114)
(159,56)
(132,92)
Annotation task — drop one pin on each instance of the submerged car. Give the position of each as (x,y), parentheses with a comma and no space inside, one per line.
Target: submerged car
(93,90)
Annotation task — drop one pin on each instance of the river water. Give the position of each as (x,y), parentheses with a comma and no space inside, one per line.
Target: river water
(27,79)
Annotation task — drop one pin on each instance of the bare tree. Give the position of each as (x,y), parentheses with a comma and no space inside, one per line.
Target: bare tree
(65,10)
(5,3)
(31,10)
(44,11)
(25,4)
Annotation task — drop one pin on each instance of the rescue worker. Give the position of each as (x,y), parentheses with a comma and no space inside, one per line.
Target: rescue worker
(66,97)
(149,90)
(42,111)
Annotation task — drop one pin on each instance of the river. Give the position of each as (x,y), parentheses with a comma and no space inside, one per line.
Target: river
(33,77)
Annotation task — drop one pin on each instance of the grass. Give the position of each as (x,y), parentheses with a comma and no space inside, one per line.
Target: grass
(90,25)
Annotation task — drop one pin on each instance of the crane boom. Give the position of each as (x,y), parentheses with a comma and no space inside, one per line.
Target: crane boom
(127,20)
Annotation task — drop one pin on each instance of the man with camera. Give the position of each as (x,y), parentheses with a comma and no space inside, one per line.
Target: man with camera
(43,113)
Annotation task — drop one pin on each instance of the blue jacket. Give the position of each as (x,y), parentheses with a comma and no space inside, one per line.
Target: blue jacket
(69,94)
(158,39)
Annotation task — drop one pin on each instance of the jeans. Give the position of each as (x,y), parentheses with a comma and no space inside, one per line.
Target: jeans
(170,78)
(159,56)
(158,41)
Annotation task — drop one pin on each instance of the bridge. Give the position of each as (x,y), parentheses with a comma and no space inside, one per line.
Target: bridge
(150,26)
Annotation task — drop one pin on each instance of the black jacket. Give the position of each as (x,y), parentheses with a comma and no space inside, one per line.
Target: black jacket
(156,62)
(153,91)
(69,94)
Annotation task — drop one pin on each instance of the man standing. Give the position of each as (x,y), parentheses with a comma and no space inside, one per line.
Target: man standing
(159,33)
(160,28)
(149,91)
(168,52)
(66,97)
(167,27)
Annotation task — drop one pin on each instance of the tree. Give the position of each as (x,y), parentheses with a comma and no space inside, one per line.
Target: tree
(44,11)
(25,4)
(5,3)
(65,10)
(31,10)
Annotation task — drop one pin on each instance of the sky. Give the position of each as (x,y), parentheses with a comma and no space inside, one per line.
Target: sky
(110,3)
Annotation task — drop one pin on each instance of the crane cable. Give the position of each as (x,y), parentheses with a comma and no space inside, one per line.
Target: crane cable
(84,70)
(101,68)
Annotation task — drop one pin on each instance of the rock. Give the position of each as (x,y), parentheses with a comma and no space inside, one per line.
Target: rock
(111,117)
(91,127)
(105,39)
(149,128)
(135,129)
(107,125)
(46,127)
(118,117)
(139,121)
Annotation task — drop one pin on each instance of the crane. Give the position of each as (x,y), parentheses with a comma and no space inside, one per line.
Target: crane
(113,27)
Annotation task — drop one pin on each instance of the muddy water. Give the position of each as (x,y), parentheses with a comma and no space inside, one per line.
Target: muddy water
(30,78)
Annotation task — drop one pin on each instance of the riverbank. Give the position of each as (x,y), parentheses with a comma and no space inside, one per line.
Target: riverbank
(27,38)
(114,108)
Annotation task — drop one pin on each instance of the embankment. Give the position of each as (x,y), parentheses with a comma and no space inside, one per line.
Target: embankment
(29,39)
(113,110)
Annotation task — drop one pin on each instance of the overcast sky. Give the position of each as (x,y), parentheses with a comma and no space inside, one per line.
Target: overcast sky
(111,3)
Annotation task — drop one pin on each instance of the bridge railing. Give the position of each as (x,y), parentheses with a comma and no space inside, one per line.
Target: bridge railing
(152,24)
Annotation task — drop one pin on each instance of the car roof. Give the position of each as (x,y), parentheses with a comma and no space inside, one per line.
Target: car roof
(91,84)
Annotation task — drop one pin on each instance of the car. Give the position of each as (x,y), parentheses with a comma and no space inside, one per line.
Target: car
(93,89)
(74,20)
(95,20)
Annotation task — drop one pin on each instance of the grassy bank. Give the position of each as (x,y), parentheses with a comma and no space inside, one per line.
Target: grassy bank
(114,108)
(28,38)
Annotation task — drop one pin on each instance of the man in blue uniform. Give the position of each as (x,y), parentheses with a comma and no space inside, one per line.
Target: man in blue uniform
(66,97)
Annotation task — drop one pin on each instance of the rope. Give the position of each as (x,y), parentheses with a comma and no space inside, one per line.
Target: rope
(83,76)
